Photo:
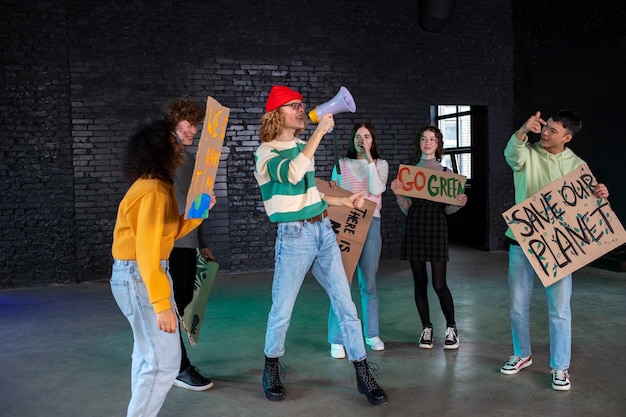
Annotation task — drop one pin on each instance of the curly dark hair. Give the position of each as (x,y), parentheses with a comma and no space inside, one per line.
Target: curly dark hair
(183,109)
(150,152)
(438,135)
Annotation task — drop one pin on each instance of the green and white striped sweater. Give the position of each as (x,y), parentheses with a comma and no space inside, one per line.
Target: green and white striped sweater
(287,181)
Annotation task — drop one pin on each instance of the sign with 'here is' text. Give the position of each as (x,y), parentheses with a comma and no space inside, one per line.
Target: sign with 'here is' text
(350,225)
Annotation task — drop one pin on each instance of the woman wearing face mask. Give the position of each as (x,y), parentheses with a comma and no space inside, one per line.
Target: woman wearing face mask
(363,170)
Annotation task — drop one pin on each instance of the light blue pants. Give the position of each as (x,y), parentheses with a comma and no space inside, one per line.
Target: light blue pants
(300,247)
(156,354)
(521,278)
(366,271)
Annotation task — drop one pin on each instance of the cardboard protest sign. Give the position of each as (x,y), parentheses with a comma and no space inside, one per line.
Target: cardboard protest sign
(564,227)
(428,184)
(207,160)
(194,312)
(350,226)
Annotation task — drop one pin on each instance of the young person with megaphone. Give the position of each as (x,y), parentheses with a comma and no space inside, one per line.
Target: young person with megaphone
(285,172)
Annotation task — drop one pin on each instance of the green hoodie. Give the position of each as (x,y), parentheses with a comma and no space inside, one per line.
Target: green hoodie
(534,168)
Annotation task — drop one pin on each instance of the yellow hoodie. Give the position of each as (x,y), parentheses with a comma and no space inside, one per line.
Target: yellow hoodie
(147,225)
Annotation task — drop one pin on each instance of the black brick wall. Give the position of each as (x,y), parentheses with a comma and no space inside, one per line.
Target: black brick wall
(576,58)
(78,77)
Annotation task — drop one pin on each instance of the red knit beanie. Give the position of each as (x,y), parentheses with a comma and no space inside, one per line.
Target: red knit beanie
(280,95)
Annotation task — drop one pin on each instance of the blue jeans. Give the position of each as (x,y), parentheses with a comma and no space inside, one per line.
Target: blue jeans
(300,247)
(521,278)
(156,354)
(366,273)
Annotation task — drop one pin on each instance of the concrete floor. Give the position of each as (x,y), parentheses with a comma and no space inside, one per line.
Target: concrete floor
(65,351)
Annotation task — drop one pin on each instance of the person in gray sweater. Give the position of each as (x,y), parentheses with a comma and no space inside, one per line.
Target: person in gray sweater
(184,116)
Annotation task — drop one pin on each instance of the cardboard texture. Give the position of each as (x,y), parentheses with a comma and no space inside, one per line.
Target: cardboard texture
(194,312)
(350,226)
(564,227)
(428,184)
(207,160)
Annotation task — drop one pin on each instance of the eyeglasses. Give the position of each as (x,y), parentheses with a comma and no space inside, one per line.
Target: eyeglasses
(295,106)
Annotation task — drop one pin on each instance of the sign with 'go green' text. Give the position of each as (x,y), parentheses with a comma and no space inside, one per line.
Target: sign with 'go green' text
(428,184)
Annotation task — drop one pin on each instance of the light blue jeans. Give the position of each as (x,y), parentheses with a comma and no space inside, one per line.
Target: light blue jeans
(521,278)
(366,271)
(156,354)
(300,247)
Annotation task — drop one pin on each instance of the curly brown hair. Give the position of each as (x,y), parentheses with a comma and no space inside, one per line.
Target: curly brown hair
(438,135)
(183,109)
(150,153)
(271,123)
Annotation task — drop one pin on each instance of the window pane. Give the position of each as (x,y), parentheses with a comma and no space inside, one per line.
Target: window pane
(448,130)
(465,131)
(465,164)
(457,133)
(446,162)
(444,110)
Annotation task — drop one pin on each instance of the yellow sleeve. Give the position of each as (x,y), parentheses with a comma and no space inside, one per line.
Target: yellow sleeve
(151,219)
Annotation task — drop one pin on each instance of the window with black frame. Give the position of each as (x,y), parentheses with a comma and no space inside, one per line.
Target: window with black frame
(455,123)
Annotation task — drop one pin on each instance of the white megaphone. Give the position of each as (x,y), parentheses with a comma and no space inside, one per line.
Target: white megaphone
(341,103)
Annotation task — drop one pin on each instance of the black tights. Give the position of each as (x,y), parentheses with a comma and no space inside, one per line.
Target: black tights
(420,281)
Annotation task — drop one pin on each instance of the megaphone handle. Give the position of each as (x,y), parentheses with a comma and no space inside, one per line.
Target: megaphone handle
(335,147)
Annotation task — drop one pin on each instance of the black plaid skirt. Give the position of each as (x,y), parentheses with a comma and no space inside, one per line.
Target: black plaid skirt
(425,236)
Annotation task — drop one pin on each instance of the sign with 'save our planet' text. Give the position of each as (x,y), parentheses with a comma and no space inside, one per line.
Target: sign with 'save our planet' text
(429,184)
(564,226)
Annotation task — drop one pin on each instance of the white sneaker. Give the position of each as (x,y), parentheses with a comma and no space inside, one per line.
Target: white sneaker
(375,343)
(337,351)
(426,338)
(560,380)
(451,339)
(516,364)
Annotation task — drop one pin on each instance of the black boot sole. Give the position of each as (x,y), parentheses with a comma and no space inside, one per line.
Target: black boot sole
(274,397)
(372,400)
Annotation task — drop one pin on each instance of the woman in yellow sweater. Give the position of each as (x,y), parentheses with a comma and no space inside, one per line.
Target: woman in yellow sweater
(147,225)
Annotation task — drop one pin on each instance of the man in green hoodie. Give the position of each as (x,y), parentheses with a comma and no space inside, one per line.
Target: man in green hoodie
(536,165)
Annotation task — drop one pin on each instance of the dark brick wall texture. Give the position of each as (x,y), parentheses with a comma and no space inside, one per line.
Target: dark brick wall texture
(78,77)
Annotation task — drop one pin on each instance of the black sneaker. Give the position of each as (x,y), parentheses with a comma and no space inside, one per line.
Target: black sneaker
(426,338)
(452,338)
(191,379)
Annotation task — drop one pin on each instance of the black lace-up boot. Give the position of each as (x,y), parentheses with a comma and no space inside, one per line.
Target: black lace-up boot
(367,384)
(272,386)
